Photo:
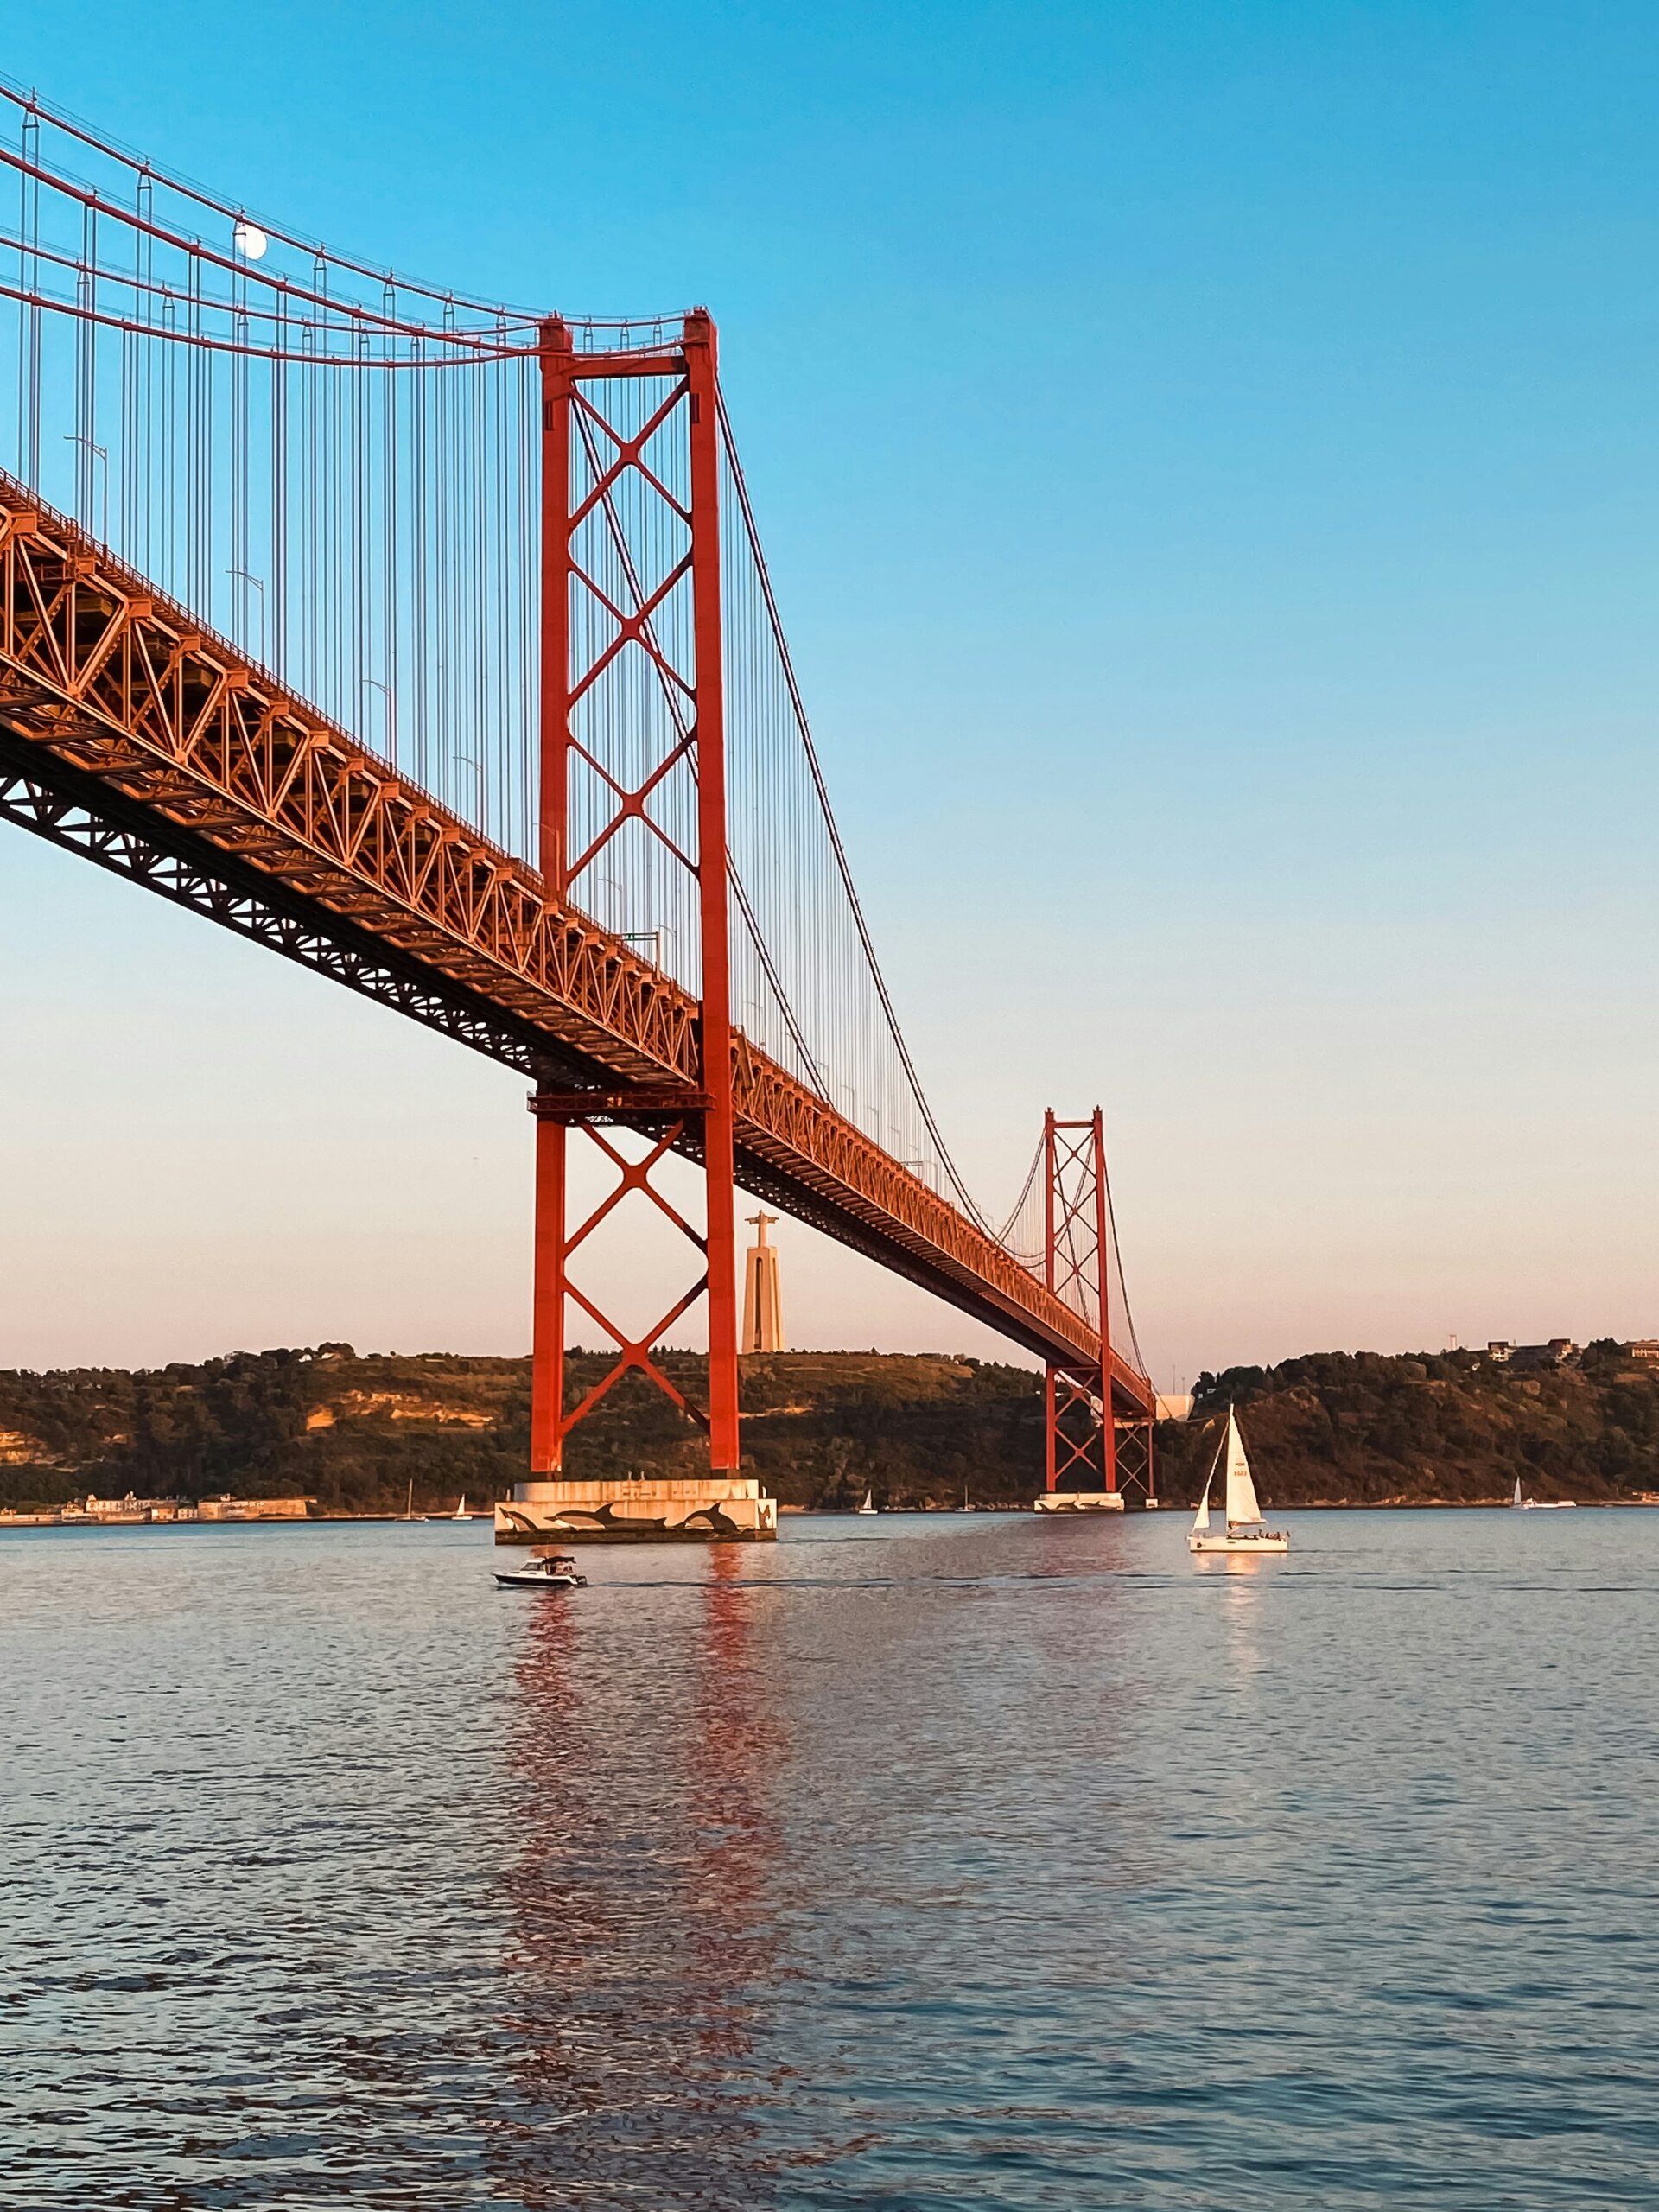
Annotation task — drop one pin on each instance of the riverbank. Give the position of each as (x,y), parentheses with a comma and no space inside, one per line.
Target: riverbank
(360,1434)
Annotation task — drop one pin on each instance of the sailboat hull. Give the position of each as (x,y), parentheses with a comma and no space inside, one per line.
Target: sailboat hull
(1269,1541)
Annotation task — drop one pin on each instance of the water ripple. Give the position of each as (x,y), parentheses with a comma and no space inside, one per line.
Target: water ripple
(946,1863)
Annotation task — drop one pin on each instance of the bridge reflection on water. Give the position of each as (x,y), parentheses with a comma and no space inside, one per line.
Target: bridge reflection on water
(763,1798)
(644,1909)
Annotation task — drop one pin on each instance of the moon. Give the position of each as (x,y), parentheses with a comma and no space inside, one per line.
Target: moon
(249,240)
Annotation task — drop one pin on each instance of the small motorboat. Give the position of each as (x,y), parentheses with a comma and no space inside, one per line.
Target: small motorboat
(546,1571)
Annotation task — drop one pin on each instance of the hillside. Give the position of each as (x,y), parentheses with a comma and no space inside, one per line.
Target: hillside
(353,1431)
(1358,1428)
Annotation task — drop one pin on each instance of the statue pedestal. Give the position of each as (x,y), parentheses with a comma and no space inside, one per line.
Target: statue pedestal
(692,1509)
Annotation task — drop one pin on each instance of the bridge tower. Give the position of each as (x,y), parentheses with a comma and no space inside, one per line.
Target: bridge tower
(631,595)
(1090,1455)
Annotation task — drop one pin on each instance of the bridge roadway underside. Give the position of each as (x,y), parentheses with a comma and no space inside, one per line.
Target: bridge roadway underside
(130,736)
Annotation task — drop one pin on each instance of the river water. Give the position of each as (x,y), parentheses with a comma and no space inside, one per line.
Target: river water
(927,1862)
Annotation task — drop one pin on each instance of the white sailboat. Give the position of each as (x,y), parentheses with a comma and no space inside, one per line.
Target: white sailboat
(460,1513)
(1541,1505)
(870,1505)
(1246,1531)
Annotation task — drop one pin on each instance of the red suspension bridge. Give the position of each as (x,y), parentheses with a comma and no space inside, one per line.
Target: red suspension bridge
(430,643)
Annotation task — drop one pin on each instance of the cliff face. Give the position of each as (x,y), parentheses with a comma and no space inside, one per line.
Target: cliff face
(820,1427)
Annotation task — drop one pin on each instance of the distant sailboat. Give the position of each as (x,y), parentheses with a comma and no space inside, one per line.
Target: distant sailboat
(1541,1505)
(460,1510)
(870,1505)
(1246,1530)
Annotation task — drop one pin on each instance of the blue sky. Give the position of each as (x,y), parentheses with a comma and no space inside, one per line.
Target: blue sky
(1207,458)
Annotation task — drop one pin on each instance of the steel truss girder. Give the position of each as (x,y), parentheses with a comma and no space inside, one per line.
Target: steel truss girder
(201,777)
(79,816)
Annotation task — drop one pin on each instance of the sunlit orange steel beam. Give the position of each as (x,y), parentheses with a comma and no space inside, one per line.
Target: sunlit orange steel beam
(134,736)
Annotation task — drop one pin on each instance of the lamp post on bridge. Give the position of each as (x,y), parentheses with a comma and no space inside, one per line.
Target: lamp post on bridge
(256,583)
(94,453)
(374,684)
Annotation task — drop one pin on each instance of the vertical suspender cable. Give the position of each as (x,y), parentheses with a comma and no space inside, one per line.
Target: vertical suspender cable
(279,375)
(420,640)
(389,542)
(362,702)
(28,335)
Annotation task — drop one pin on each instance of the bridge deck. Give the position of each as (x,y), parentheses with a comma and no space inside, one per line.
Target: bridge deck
(129,733)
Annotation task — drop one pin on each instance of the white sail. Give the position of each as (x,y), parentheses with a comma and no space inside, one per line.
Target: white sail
(1201,1518)
(1242,1508)
(1518,1489)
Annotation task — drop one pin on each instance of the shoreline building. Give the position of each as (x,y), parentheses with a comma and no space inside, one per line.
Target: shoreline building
(763,1306)
(1527,1359)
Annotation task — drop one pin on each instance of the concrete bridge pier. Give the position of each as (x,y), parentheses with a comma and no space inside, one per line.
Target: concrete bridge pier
(711,1509)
